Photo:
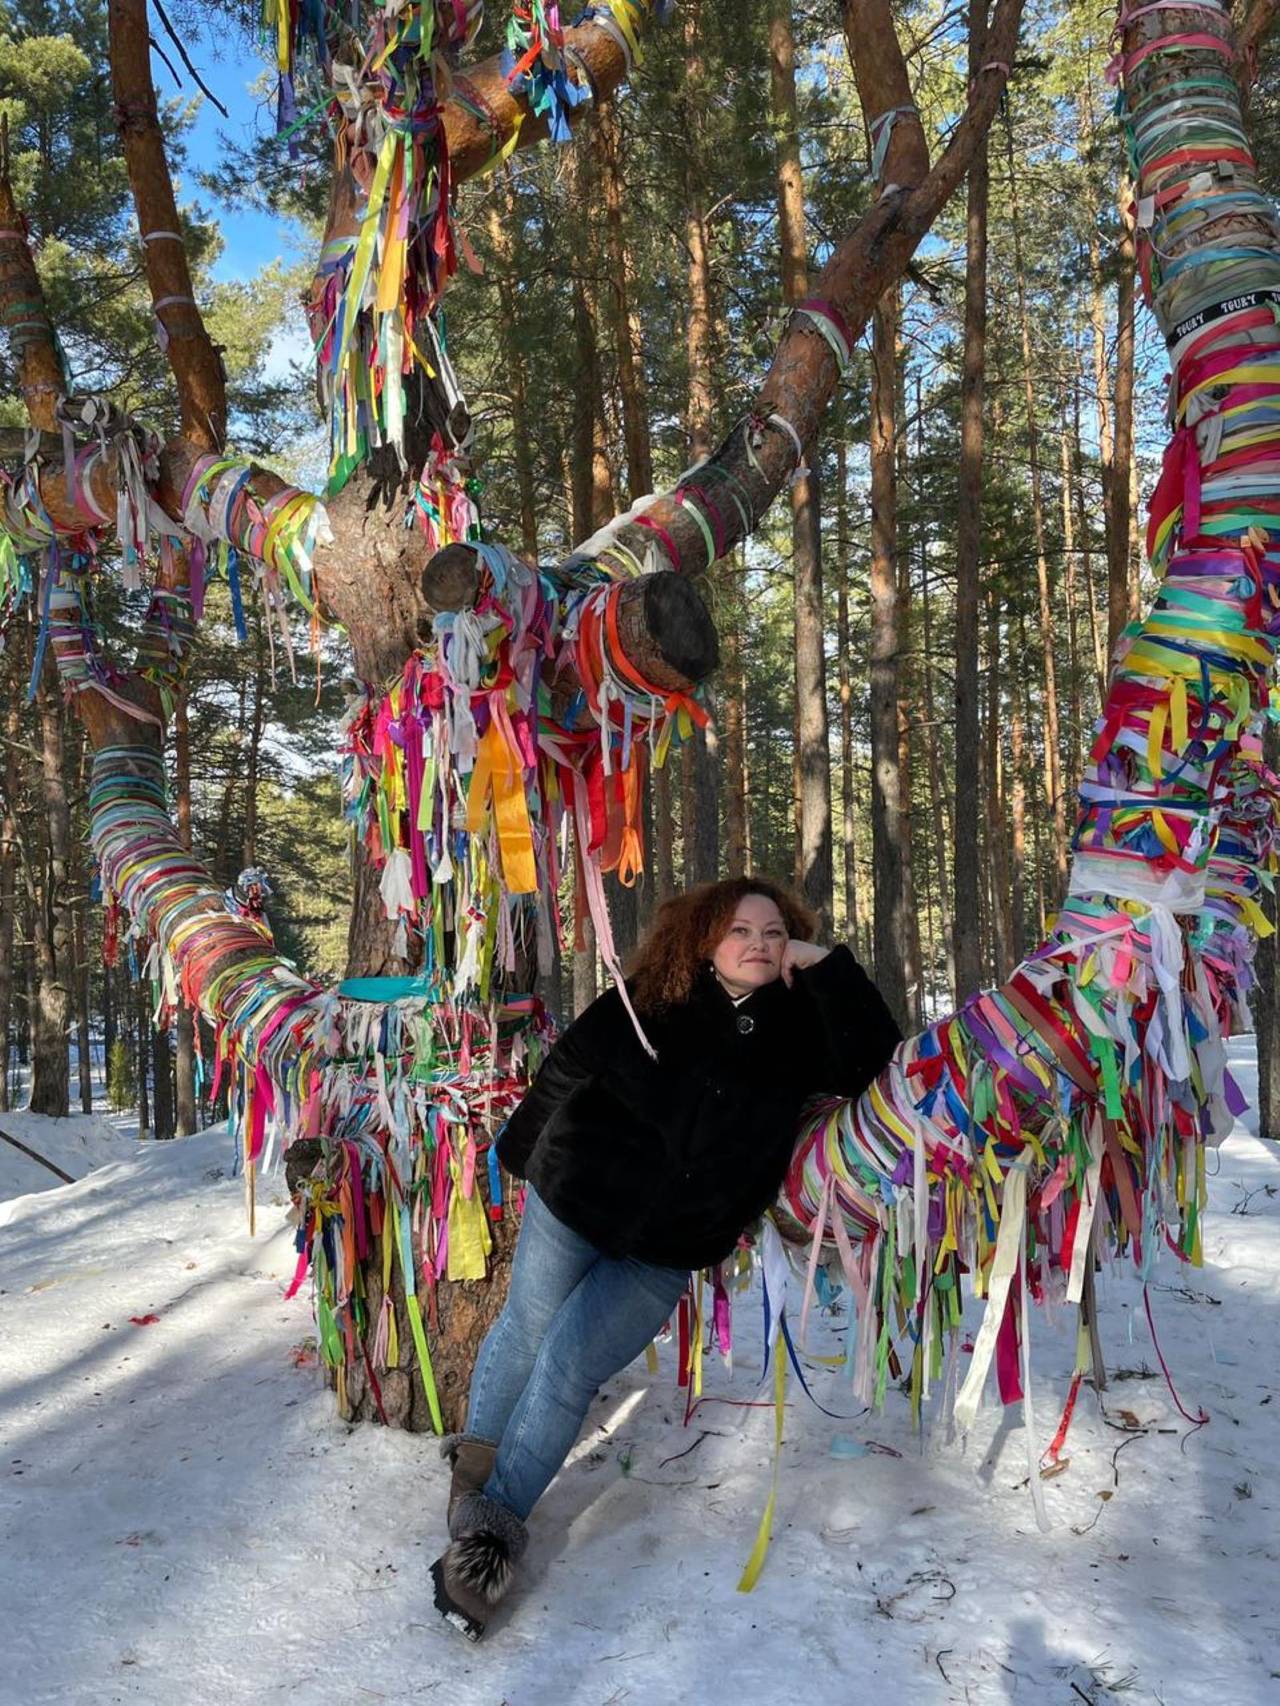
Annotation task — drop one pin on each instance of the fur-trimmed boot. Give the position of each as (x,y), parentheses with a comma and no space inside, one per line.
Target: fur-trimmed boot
(472,1462)
(476,1568)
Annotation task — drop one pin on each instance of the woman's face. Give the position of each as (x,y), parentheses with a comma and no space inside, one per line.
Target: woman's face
(750,952)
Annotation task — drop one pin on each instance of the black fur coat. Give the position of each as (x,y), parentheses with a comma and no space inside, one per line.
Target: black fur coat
(668,1160)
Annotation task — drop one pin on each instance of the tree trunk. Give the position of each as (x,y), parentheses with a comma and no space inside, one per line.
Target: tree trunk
(632,389)
(664,858)
(888,810)
(1018,811)
(968,946)
(1119,474)
(1054,795)
(84,1046)
(142,1034)
(701,795)
(1075,736)
(813,755)
(844,580)
(249,850)
(8,897)
(733,721)
(997,861)
(162,1081)
(942,832)
(499,228)
(185,1113)
(50,1061)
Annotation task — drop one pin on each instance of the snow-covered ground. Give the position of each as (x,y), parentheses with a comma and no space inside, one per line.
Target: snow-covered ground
(75,1146)
(183,1519)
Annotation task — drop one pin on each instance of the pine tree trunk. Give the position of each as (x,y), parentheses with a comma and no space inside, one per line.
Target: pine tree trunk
(84,1045)
(1018,814)
(185,1114)
(1119,474)
(813,756)
(733,721)
(50,1058)
(499,227)
(632,389)
(8,899)
(1055,797)
(141,1037)
(887,804)
(162,1082)
(249,849)
(1000,900)
(701,794)
(664,858)
(1075,748)
(848,810)
(1085,537)
(968,946)
(942,832)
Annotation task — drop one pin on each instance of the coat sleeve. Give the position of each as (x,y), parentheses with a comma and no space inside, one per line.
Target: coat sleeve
(569,1065)
(856,1031)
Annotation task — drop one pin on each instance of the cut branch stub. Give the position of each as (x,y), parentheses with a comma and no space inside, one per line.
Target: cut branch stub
(666,636)
(451,578)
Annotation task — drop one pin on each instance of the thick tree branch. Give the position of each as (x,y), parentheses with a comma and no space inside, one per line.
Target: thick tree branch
(24,315)
(195,363)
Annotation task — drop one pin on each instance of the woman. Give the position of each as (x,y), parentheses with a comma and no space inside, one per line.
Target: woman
(639,1170)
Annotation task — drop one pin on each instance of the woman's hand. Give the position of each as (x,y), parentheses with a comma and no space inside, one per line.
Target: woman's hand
(799,956)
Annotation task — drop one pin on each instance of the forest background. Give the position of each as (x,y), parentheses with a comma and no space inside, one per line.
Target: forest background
(913,649)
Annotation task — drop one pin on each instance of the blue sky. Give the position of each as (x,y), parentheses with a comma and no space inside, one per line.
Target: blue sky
(230,65)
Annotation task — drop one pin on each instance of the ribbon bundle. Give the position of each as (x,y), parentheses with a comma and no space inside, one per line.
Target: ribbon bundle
(460,779)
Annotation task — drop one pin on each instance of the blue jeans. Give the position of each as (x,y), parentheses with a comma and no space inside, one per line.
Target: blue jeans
(573,1318)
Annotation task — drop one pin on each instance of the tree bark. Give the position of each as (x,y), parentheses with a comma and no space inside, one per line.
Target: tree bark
(997,861)
(888,808)
(1075,749)
(733,695)
(499,227)
(84,1047)
(249,846)
(8,895)
(813,755)
(942,830)
(50,1060)
(1119,473)
(185,1112)
(968,945)
(1054,795)
(162,1081)
(141,1037)
(632,388)
(844,581)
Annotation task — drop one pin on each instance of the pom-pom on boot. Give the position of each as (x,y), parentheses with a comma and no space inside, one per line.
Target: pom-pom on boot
(476,1569)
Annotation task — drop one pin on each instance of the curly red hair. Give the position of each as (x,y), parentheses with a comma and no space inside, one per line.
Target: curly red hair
(689,928)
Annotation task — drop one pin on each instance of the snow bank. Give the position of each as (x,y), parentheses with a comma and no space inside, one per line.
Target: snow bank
(76,1145)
